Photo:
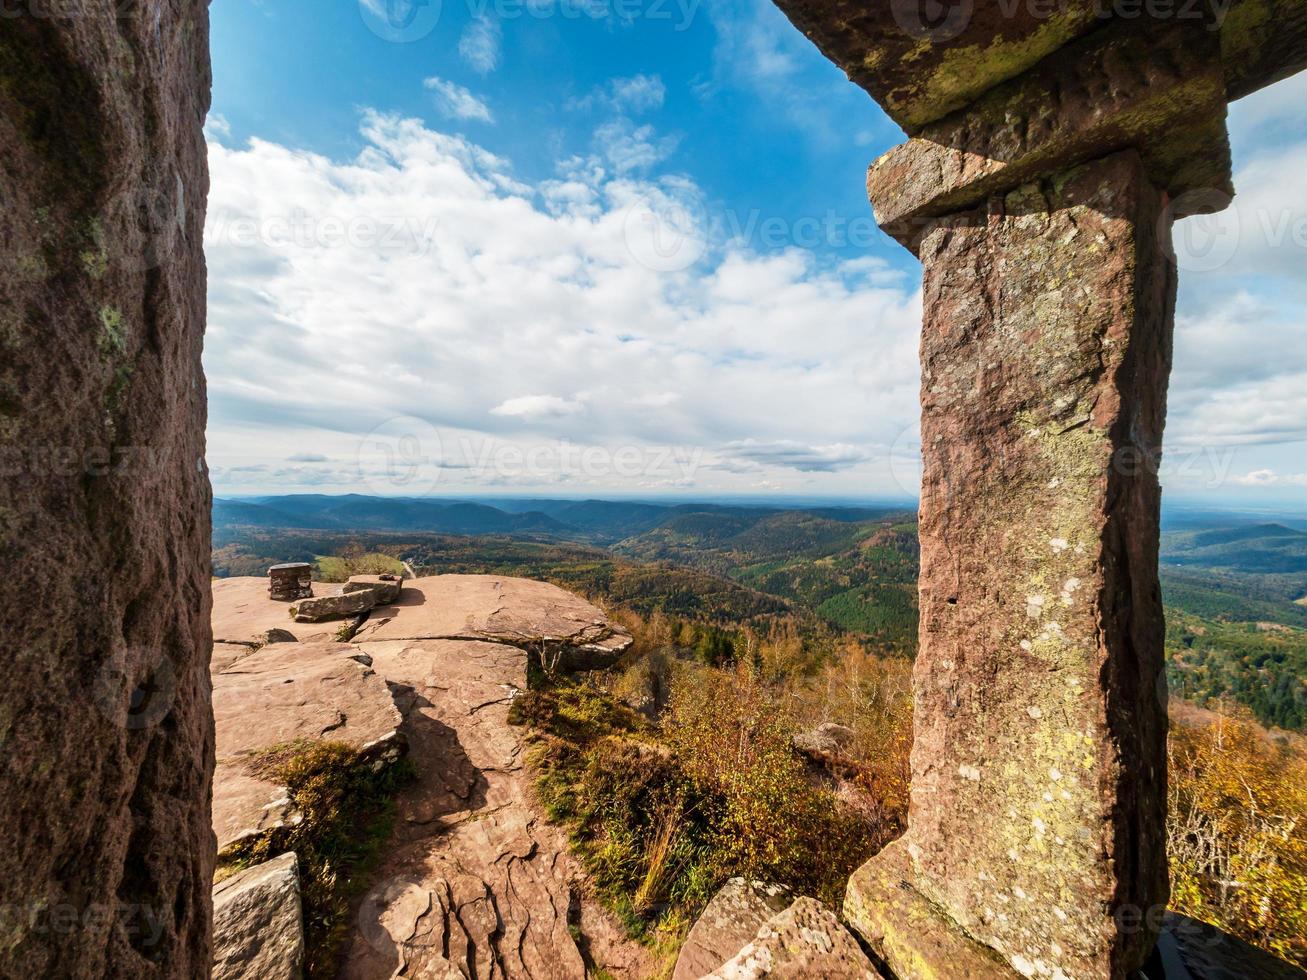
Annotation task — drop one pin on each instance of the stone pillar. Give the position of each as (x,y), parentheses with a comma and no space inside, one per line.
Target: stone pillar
(1038,803)
(290,581)
(106,733)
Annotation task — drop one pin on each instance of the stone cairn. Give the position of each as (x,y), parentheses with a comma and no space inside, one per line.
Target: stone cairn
(291,581)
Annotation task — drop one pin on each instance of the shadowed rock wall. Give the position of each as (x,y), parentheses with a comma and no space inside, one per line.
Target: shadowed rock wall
(105,725)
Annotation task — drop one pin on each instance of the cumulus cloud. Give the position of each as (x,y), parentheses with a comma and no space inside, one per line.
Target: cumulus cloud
(480,43)
(423,280)
(604,309)
(458,102)
(1269,478)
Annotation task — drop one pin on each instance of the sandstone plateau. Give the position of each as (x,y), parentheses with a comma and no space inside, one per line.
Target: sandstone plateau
(472,882)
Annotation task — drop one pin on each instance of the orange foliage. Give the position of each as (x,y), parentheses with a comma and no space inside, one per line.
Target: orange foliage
(1237,833)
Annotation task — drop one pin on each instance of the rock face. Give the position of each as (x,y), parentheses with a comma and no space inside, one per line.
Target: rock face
(258,924)
(727,924)
(283,694)
(802,942)
(104,497)
(533,615)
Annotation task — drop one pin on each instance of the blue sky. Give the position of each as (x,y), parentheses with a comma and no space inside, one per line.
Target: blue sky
(624,246)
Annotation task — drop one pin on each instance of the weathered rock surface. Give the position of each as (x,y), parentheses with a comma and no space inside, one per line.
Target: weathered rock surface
(258,923)
(532,615)
(728,923)
(243,613)
(387,587)
(104,498)
(800,943)
(336,606)
(475,883)
(285,693)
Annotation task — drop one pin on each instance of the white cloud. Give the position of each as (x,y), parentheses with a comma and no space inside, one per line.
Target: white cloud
(532,407)
(480,43)
(1269,478)
(636,94)
(458,102)
(627,146)
(506,316)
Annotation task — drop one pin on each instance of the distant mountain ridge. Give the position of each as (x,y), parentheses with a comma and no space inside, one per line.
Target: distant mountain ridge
(592,521)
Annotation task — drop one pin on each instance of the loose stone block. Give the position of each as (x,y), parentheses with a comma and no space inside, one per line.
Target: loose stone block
(334,606)
(290,581)
(259,924)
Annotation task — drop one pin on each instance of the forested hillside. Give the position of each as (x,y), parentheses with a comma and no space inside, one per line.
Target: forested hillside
(1237,618)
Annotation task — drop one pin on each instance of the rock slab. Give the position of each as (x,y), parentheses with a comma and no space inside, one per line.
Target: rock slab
(284,694)
(728,922)
(334,606)
(802,942)
(534,616)
(104,495)
(258,923)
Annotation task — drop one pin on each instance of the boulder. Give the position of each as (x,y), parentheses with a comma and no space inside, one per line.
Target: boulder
(334,606)
(283,694)
(825,741)
(804,941)
(258,926)
(387,587)
(729,921)
(534,616)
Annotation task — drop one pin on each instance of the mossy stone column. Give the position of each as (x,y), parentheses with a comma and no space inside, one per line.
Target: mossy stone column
(1035,840)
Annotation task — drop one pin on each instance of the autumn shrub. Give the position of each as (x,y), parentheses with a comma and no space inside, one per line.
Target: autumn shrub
(772,820)
(1237,832)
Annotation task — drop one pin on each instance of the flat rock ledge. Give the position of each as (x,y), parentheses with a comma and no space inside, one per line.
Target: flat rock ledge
(258,923)
(284,694)
(542,619)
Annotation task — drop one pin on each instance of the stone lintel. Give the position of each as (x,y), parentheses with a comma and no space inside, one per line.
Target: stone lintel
(1262,42)
(923,61)
(1160,92)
